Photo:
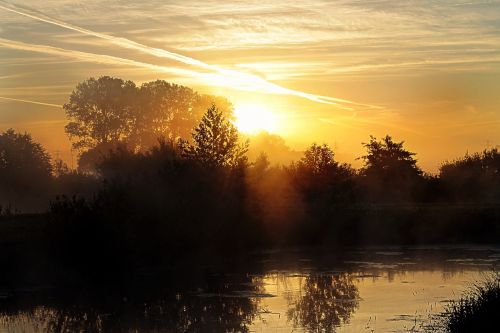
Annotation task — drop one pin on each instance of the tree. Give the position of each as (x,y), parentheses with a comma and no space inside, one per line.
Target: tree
(167,110)
(261,164)
(21,157)
(100,111)
(215,142)
(474,177)
(318,159)
(390,171)
(319,177)
(387,156)
(25,168)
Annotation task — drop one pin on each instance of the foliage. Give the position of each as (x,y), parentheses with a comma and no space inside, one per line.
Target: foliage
(477,311)
(386,157)
(170,193)
(109,110)
(317,174)
(25,169)
(390,171)
(170,111)
(215,142)
(318,160)
(474,177)
(100,111)
(20,157)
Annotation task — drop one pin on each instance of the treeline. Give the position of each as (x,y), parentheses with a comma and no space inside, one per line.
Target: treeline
(164,173)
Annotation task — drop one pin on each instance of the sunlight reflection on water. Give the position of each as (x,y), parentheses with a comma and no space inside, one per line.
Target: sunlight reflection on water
(374,290)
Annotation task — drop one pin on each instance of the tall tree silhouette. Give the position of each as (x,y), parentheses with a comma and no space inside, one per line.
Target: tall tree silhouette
(216,142)
(100,111)
(389,171)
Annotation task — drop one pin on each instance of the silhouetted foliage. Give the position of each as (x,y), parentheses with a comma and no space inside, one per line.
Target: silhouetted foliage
(261,164)
(325,187)
(142,204)
(317,171)
(477,310)
(107,111)
(171,111)
(215,142)
(89,160)
(25,170)
(390,172)
(100,111)
(473,178)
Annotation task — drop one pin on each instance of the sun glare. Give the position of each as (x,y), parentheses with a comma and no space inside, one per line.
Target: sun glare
(253,118)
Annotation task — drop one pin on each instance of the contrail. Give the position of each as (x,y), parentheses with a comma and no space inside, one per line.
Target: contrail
(95,58)
(245,81)
(31,102)
(214,78)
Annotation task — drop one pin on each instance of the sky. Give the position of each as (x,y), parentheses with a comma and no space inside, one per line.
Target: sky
(336,72)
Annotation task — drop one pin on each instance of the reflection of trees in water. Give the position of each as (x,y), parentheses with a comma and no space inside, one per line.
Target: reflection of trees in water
(326,301)
(223,306)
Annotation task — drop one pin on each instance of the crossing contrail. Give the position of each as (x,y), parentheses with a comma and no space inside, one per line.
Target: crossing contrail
(94,57)
(234,79)
(31,102)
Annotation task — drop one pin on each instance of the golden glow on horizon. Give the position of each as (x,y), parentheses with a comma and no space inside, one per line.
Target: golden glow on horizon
(350,70)
(254,118)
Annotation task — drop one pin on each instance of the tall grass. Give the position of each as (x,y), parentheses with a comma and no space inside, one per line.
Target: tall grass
(478,310)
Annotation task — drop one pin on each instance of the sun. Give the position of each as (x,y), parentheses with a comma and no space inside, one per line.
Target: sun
(254,118)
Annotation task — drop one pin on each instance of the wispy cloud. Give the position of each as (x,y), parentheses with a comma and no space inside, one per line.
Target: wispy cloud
(93,57)
(232,78)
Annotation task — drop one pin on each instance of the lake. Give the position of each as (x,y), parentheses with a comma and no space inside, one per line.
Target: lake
(397,289)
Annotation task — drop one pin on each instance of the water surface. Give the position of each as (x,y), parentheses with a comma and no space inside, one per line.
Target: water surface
(364,290)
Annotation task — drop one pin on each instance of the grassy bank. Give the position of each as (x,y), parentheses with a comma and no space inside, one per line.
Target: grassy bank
(477,310)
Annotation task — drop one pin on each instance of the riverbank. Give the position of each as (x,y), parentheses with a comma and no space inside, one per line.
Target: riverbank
(477,310)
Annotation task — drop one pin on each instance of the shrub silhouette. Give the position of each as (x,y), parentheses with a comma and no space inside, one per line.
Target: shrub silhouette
(25,171)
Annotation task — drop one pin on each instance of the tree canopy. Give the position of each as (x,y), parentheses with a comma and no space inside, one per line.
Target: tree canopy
(318,159)
(473,177)
(390,171)
(100,111)
(317,175)
(171,111)
(109,110)
(25,169)
(386,156)
(22,158)
(216,142)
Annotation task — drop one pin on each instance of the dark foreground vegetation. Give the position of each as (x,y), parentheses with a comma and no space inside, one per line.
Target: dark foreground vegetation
(164,177)
(477,310)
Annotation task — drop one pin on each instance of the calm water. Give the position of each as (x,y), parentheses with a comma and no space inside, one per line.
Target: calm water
(367,290)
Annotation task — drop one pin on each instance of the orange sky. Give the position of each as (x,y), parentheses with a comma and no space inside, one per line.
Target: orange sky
(427,72)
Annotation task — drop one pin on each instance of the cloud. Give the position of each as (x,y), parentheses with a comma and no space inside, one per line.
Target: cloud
(93,57)
(231,78)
